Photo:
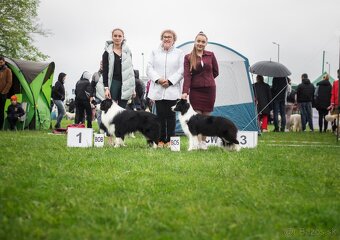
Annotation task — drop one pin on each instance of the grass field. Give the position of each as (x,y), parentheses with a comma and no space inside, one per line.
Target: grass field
(286,188)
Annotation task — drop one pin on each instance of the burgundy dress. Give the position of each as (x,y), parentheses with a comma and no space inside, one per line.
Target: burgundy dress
(200,83)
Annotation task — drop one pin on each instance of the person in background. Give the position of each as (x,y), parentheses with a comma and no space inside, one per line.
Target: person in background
(138,102)
(279,94)
(58,96)
(263,97)
(290,102)
(83,99)
(98,90)
(200,71)
(5,86)
(165,70)
(322,99)
(305,96)
(334,107)
(14,112)
(118,75)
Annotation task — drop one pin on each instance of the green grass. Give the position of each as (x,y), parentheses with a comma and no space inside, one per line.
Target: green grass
(286,188)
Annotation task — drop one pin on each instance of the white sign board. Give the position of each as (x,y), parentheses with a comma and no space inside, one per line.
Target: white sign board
(247,139)
(79,137)
(175,144)
(98,140)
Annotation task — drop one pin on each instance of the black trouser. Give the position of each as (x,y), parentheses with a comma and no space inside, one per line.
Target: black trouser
(167,118)
(12,122)
(83,106)
(322,114)
(2,109)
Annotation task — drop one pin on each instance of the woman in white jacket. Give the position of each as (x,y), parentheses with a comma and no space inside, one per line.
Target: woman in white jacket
(118,74)
(165,70)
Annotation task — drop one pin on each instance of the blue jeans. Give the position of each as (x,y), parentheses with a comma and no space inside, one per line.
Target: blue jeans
(61,112)
(279,107)
(306,115)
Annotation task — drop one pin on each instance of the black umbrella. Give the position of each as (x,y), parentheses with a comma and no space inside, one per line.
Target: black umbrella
(270,69)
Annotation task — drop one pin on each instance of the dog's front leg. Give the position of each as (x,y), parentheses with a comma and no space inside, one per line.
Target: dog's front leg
(193,143)
(118,142)
(110,141)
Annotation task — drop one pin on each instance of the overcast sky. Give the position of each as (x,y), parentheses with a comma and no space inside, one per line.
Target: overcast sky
(303,28)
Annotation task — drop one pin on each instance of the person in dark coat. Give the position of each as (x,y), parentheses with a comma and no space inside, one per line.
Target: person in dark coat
(84,96)
(263,97)
(14,112)
(279,93)
(304,96)
(58,96)
(137,102)
(322,98)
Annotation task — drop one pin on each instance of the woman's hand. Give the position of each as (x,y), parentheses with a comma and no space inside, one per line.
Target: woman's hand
(184,96)
(107,93)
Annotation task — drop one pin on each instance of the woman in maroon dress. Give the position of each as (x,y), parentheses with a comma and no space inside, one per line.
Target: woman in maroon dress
(200,71)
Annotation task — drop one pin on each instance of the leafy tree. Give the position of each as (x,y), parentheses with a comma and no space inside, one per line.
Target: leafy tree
(18,25)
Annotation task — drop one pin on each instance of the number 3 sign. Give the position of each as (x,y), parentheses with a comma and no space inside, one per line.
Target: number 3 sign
(79,137)
(247,139)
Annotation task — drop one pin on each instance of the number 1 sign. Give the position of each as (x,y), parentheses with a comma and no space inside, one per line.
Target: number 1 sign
(79,137)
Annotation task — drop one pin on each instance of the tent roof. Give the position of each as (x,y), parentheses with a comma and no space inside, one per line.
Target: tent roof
(318,79)
(30,69)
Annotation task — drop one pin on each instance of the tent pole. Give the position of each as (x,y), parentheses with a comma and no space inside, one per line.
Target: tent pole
(323,62)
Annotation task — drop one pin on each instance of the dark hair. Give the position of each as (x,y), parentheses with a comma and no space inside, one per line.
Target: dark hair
(2,58)
(61,76)
(259,78)
(304,76)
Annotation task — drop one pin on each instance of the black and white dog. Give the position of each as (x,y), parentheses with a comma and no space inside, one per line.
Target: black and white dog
(118,122)
(195,125)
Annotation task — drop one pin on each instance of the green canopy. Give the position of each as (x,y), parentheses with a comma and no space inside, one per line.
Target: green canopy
(32,83)
(331,80)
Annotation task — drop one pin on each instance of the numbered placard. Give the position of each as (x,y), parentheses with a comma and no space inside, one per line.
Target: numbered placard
(247,139)
(175,144)
(79,137)
(98,140)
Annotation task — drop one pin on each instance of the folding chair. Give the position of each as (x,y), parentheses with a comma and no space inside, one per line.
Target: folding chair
(22,119)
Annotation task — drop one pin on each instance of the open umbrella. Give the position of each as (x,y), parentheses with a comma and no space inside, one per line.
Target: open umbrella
(270,69)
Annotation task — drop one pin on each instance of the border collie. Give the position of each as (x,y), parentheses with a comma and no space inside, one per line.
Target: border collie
(195,125)
(118,122)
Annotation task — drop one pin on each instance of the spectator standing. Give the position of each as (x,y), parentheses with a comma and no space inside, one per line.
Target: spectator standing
(98,90)
(138,102)
(290,103)
(58,96)
(305,96)
(5,86)
(263,98)
(334,106)
(83,99)
(279,94)
(322,98)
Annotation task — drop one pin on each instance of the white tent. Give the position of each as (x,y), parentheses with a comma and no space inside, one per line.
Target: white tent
(234,91)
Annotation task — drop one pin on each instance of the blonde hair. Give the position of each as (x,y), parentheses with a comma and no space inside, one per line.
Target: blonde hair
(172,32)
(193,55)
(326,76)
